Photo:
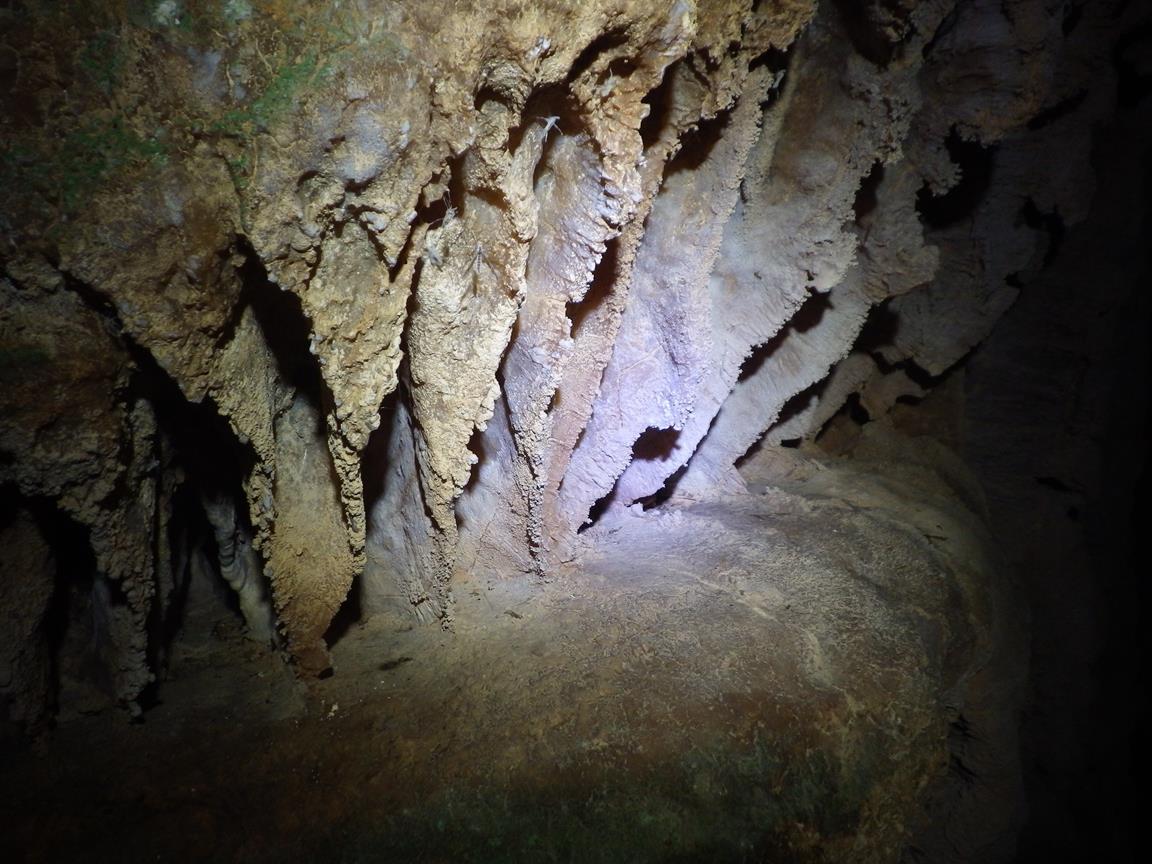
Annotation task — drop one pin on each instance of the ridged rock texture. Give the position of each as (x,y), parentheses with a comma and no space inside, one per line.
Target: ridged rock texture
(523,263)
(394,297)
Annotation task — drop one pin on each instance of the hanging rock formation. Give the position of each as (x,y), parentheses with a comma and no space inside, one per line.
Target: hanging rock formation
(455,280)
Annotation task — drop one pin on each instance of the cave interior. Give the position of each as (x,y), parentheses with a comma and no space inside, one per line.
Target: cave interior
(618,430)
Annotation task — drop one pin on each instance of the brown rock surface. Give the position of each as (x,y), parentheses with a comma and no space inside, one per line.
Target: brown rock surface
(411,303)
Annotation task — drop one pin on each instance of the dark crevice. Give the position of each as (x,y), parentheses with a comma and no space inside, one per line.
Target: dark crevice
(866,197)
(621,67)
(867,33)
(976,163)
(879,330)
(597,510)
(101,305)
(457,186)
(215,464)
(773,59)
(810,313)
(601,45)
(796,405)
(696,145)
(1051,224)
(856,410)
(553,109)
(1058,111)
(431,213)
(451,203)
(655,444)
(402,257)
(598,291)
(659,102)
(919,376)
(805,318)
(349,614)
(204,442)
(852,409)
(488,93)
(665,492)
(284,324)
(189,534)
(374,459)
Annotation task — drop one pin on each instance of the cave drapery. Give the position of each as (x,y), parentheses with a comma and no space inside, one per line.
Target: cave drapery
(373,300)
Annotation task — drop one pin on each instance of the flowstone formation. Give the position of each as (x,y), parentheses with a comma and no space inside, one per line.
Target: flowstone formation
(368,301)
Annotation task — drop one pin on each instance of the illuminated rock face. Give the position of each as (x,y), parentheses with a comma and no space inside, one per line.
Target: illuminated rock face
(414,293)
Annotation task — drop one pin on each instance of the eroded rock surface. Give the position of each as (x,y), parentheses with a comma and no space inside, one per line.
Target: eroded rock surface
(366,302)
(727,680)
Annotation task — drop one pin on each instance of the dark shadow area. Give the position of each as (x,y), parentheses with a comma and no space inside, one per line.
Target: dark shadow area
(800,402)
(72,630)
(809,314)
(865,201)
(349,614)
(659,102)
(658,445)
(476,443)
(597,510)
(1051,224)
(977,164)
(879,330)
(696,145)
(774,60)
(599,289)
(284,325)
(553,109)
(1130,60)
(861,24)
(665,492)
(604,44)
(792,408)
(374,460)
(214,465)
(655,444)
(1057,112)
(1070,363)
(199,443)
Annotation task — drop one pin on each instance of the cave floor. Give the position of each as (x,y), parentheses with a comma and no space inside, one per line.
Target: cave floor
(760,679)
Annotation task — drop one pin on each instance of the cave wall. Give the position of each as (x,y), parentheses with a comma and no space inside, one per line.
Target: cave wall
(453,279)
